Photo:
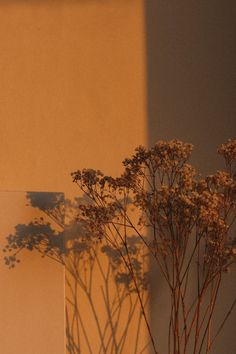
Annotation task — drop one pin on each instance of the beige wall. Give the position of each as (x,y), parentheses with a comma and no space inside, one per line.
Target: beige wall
(72,92)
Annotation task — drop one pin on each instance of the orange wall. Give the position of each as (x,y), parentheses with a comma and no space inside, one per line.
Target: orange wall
(32,294)
(72,91)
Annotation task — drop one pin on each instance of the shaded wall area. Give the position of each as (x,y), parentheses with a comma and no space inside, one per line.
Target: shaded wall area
(191,76)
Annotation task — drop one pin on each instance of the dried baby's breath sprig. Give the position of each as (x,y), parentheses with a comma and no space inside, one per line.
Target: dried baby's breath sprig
(157,211)
(228,151)
(189,222)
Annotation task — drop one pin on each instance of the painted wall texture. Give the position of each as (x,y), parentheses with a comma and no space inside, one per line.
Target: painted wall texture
(72,95)
(191,74)
(32,294)
(72,89)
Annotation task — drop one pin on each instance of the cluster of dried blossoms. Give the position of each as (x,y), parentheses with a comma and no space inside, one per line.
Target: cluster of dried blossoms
(184,223)
(157,212)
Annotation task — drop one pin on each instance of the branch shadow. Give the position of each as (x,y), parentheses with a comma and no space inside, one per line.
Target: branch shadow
(98,288)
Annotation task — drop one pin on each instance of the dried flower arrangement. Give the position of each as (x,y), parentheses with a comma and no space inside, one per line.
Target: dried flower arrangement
(158,214)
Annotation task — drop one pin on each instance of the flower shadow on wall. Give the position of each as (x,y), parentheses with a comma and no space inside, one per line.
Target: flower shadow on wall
(96,279)
(160,211)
